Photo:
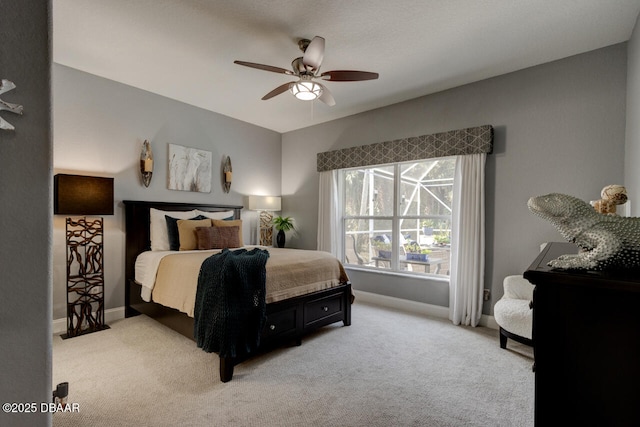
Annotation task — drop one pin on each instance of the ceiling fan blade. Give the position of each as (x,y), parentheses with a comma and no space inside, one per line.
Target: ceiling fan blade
(348,76)
(314,53)
(264,67)
(277,91)
(326,96)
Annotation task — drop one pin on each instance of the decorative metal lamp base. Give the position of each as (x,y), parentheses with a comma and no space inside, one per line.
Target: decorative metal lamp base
(85,277)
(85,332)
(266,228)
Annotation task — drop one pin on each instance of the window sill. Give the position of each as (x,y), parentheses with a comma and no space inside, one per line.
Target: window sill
(425,277)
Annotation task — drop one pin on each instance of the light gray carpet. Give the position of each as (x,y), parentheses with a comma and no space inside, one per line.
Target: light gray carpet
(388,368)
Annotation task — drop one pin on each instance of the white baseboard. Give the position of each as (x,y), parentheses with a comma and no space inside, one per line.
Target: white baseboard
(113,314)
(415,307)
(110,315)
(489,322)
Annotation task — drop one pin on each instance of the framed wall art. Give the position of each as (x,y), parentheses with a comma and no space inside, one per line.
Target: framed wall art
(189,169)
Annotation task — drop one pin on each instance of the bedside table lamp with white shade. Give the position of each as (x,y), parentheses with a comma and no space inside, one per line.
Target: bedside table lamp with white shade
(265,205)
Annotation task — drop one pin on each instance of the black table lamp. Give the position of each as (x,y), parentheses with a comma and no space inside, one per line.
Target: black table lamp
(84,196)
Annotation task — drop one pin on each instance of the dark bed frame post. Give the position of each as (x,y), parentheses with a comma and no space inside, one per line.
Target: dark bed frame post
(138,240)
(226,369)
(347,307)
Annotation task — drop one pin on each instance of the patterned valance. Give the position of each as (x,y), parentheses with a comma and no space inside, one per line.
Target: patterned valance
(452,143)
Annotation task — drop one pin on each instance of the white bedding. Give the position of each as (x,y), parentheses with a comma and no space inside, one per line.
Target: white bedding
(147,264)
(170,278)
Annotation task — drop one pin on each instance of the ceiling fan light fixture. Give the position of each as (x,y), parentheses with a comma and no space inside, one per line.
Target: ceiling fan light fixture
(306,90)
(307,68)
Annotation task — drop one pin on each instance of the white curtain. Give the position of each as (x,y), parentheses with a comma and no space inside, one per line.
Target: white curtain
(328,215)
(467,241)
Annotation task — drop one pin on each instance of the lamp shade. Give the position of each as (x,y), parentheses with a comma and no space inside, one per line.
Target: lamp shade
(82,195)
(265,203)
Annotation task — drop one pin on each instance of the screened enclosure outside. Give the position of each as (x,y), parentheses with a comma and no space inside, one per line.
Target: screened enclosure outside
(398,217)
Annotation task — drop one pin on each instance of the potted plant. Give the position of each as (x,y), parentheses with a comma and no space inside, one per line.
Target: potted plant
(427,227)
(416,253)
(383,248)
(282,224)
(442,239)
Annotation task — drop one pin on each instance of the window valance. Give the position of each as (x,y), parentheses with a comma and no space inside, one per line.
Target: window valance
(452,143)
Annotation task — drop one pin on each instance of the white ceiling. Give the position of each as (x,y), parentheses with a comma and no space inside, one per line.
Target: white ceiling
(184,49)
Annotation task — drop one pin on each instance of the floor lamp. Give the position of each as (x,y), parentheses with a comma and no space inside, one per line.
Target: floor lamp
(265,205)
(84,196)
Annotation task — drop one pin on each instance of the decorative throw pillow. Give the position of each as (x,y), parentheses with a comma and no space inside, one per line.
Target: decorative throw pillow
(187,232)
(172,231)
(218,237)
(226,215)
(158,226)
(231,223)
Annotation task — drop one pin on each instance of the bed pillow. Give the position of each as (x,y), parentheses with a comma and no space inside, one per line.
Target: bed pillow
(158,226)
(226,215)
(218,237)
(230,223)
(187,232)
(172,231)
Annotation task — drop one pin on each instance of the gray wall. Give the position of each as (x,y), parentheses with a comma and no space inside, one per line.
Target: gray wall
(632,158)
(25,212)
(559,127)
(99,127)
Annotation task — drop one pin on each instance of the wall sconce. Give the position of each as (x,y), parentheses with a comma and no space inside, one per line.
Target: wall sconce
(227,175)
(146,163)
(266,205)
(84,195)
(6,86)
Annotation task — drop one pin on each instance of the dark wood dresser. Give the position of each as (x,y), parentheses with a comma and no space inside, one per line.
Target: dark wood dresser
(586,332)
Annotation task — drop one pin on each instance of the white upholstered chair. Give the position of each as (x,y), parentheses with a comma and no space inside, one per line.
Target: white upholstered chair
(513,312)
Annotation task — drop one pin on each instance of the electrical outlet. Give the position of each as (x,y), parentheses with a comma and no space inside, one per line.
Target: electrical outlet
(487,294)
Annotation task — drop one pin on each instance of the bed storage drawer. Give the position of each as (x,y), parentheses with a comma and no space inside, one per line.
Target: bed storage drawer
(281,323)
(323,311)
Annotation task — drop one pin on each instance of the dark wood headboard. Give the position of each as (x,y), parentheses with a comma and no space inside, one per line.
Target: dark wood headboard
(137,220)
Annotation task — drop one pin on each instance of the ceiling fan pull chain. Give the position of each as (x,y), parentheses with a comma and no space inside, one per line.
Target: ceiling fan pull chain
(312,110)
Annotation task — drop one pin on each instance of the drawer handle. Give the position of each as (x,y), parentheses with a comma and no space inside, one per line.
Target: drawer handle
(325,308)
(272,327)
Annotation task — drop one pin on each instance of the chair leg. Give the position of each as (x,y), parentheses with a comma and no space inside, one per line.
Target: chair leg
(503,339)
(504,334)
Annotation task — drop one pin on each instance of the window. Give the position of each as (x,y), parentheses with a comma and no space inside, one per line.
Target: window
(398,217)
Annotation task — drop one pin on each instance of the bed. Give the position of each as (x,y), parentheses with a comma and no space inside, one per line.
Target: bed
(289,315)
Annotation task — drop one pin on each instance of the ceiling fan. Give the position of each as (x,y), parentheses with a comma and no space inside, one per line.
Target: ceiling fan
(307,68)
